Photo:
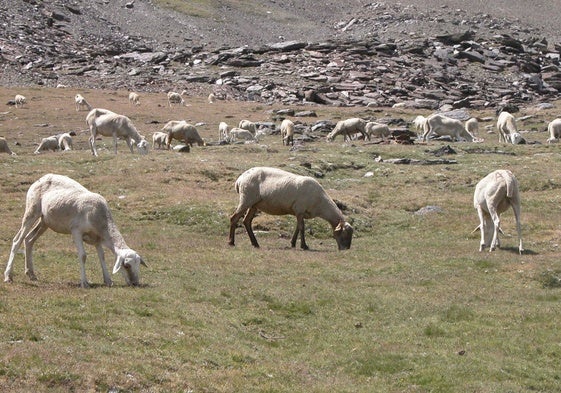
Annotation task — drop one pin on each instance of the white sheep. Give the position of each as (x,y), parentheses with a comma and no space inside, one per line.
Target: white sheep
(159,139)
(347,128)
(65,140)
(287,132)
(134,98)
(223,131)
(4,148)
(20,100)
(419,123)
(248,125)
(506,124)
(48,143)
(81,103)
(277,192)
(472,126)
(176,98)
(240,133)
(65,206)
(211,98)
(554,129)
(378,130)
(182,131)
(441,125)
(107,123)
(493,195)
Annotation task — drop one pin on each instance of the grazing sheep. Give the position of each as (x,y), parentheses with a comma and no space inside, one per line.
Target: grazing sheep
(48,143)
(223,131)
(347,128)
(554,129)
(287,132)
(277,192)
(65,206)
(239,133)
(65,140)
(20,100)
(176,98)
(419,123)
(248,125)
(81,103)
(159,139)
(4,148)
(211,98)
(378,130)
(107,123)
(134,98)
(493,195)
(441,125)
(182,131)
(506,124)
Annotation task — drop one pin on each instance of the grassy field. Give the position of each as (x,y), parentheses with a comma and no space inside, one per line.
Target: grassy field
(411,307)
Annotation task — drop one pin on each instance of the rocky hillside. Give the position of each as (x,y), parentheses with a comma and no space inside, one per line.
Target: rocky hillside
(417,53)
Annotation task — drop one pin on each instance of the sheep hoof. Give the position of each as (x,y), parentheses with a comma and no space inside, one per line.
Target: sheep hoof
(31,276)
(84,284)
(8,279)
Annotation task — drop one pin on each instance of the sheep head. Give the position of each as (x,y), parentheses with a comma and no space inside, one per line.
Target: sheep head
(128,262)
(343,234)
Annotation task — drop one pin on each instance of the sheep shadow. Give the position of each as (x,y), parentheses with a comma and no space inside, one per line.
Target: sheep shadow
(514,250)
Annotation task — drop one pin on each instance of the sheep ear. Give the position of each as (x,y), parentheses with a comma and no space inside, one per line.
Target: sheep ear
(143,263)
(118,264)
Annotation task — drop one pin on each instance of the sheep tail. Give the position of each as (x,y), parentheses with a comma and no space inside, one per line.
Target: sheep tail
(510,185)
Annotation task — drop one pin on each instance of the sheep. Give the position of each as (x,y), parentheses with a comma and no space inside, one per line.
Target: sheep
(554,129)
(48,143)
(419,122)
(20,100)
(4,148)
(377,129)
(277,192)
(107,123)
(182,131)
(176,98)
(81,103)
(287,132)
(65,206)
(223,131)
(65,140)
(134,98)
(211,98)
(442,125)
(239,133)
(347,128)
(248,125)
(493,195)
(506,124)
(159,138)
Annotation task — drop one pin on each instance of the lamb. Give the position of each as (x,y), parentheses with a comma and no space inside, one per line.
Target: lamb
(134,98)
(181,130)
(419,122)
(4,148)
(176,98)
(347,128)
(287,132)
(377,129)
(211,98)
(277,192)
(223,131)
(472,126)
(65,206)
(239,133)
(107,123)
(442,125)
(493,195)
(159,138)
(48,143)
(554,129)
(20,100)
(65,140)
(248,125)
(506,124)
(81,103)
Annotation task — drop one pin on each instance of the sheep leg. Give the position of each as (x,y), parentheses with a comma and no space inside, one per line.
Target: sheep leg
(496,228)
(29,241)
(234,218)
(247,224)
(482,227)
(77,236)
(299,229)
(129,144)
(516,209)
(101,255)
(29,219)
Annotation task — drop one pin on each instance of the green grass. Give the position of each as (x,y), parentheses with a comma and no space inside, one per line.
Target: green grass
(411,307)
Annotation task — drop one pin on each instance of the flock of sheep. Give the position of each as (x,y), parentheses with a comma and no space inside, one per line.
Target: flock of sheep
(65,206)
